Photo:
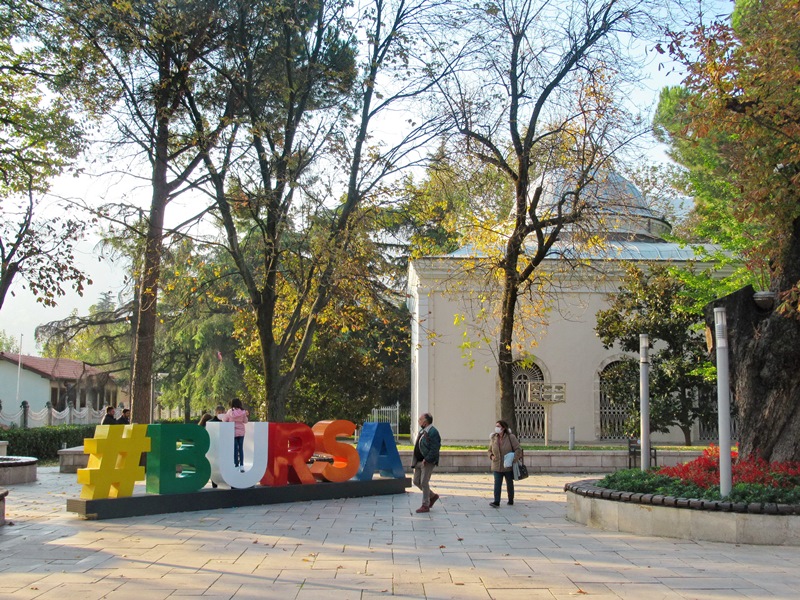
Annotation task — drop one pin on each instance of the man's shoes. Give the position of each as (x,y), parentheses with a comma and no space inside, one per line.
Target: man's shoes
(423,509)
(434,498)
(511,503)
(494,504)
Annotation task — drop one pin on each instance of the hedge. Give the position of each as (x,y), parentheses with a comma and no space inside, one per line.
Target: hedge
(44,442)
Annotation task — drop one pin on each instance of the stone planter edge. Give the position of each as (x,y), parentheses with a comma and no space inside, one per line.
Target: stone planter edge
(682,518)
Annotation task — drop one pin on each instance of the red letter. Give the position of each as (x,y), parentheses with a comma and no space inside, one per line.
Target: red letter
(345,457)
(290,447)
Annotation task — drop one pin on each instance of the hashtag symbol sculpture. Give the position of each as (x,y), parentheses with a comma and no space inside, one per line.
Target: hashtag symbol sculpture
(114,455)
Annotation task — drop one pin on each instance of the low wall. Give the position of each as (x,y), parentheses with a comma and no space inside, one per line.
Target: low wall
(3,494)
(476,461)
(17,469)
(72,459)
(550,461)
(682,518)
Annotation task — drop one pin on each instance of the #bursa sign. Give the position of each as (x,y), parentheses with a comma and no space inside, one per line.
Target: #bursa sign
(182,458)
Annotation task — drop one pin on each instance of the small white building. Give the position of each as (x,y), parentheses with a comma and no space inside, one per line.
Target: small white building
(56,381)
(454,377)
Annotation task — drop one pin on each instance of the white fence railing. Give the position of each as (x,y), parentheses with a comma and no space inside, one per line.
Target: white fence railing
(25,417)
(160,413)
(385,414)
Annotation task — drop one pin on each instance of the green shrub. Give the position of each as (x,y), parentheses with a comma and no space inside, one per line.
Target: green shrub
(44,442)
(404,424)
(635,480)
(652,482)
(758,492)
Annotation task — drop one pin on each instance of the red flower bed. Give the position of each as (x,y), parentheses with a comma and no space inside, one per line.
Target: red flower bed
(704,471)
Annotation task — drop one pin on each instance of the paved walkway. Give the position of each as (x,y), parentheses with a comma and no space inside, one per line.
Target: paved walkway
(368,548)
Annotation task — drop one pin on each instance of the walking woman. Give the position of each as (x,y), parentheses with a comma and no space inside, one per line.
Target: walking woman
(503,442)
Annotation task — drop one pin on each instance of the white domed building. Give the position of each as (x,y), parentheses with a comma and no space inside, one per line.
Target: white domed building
(454,371)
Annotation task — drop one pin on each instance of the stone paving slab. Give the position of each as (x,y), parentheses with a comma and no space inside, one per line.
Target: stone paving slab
(367,548)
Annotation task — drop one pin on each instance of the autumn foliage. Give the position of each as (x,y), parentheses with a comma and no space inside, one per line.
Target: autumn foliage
(743,74)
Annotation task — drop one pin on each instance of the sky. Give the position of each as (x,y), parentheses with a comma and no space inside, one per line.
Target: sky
(21,314)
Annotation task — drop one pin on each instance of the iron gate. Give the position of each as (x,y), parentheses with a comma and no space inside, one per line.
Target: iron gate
(530,416)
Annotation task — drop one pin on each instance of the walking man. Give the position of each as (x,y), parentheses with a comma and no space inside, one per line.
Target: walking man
(426,457)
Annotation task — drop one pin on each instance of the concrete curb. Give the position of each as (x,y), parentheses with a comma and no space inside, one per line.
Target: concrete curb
(682,518)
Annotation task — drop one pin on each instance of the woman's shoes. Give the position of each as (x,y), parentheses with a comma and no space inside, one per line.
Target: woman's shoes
(497,504)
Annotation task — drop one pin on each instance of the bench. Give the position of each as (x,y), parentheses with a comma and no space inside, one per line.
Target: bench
(635,454)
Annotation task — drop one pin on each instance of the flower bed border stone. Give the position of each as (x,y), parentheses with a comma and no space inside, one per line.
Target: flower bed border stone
(683,518)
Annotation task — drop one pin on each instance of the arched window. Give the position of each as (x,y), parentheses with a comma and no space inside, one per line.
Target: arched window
(530,417)
(618,389)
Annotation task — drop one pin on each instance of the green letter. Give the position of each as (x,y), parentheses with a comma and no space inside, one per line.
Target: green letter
(177,462)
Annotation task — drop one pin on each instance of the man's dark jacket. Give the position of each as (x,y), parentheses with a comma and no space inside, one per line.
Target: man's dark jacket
(427,447)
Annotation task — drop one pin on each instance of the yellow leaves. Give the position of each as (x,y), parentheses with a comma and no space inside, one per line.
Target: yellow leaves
(123,6)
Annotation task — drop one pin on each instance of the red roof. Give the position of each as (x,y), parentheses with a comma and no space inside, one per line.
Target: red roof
(64,369)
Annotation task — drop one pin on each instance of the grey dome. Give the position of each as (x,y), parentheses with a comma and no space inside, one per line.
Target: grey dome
(617,208)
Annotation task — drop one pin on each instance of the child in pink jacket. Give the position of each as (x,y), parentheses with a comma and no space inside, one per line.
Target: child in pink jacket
(238,416)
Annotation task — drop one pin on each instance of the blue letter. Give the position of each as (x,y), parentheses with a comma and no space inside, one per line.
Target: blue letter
(378,452)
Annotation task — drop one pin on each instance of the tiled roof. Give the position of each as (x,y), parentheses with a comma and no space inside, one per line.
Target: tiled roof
(64,369)
(613,250)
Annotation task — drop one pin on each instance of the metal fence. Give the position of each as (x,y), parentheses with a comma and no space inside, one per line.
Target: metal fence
(161,413)
(385,414)
(26,418)
(708,429)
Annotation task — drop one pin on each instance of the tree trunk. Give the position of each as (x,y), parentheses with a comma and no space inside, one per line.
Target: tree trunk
(505,363)
(274,401)
(765,365)
(687,435)
(275,388)
(7,275)
(144,338)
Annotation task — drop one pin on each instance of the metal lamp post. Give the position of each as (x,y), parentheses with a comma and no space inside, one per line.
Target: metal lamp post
(723,403)
(644,400)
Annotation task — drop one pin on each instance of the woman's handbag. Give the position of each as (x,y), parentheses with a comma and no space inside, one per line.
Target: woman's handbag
(520,470)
